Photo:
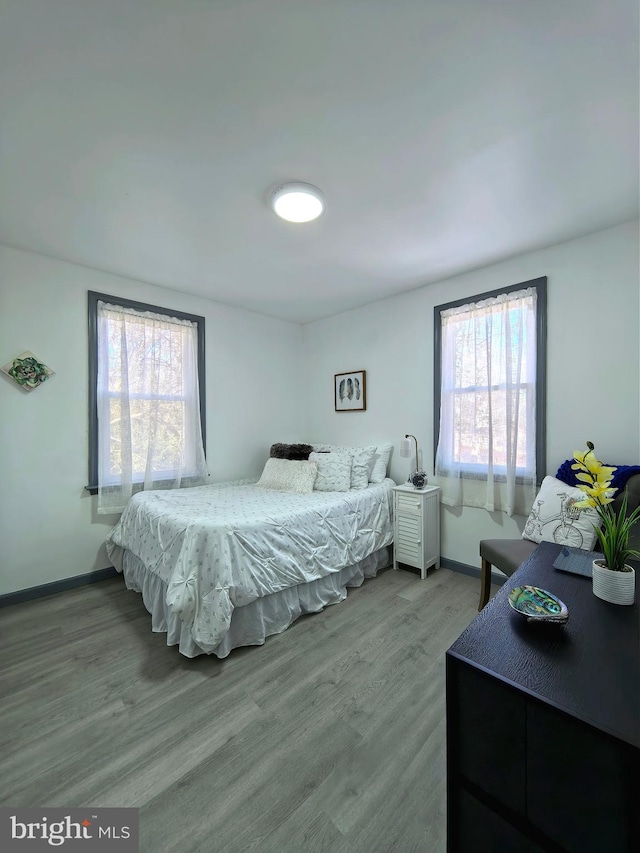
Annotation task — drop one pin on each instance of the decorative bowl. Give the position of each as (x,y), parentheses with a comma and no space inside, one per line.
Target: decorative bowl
(537,604)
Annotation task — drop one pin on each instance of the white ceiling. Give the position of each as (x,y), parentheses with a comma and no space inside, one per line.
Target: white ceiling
(142,137)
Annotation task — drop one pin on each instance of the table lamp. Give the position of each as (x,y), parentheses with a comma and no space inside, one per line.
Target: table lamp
(417,477)
(406,449)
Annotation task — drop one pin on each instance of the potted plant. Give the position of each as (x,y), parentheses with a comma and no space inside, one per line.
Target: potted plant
(613,579)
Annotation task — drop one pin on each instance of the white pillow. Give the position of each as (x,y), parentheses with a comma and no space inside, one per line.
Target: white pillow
(334,471)
(554,518)
(362,461)
(289,475)
(361,465)
(380,464)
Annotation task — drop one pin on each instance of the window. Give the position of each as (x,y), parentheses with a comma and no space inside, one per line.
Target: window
(489,411)
(146,399)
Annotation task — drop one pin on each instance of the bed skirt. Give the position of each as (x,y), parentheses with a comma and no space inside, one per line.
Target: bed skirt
(253,623)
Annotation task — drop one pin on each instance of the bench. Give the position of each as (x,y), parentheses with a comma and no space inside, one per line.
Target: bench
(507,555)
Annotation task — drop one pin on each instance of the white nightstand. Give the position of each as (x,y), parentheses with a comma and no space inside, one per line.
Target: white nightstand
(416,524)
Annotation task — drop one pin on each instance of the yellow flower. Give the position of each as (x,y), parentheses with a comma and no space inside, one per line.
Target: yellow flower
(595,474)
(599,493)
(613,534)
(580,457)
(587,503)
(588,462)
(605,474)
(595,479)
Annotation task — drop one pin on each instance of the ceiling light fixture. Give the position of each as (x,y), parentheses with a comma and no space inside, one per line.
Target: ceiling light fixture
(297,202)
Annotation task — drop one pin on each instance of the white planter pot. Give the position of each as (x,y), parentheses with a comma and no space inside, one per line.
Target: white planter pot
(615,587)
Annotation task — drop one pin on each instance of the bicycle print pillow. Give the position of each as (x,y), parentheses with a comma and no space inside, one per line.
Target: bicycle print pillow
(555,518)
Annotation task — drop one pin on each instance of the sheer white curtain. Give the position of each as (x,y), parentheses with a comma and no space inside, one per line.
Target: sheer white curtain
(486,454)
(149,429)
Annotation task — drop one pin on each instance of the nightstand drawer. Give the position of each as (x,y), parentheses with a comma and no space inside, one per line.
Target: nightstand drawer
(409,526)
(409,503)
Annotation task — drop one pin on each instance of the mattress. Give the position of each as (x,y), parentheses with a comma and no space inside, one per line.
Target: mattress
(221,547)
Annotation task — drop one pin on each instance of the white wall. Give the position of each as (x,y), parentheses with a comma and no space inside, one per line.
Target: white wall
(48,526)
(593,365)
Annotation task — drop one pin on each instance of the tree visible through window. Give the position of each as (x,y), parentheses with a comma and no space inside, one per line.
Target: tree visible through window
(489,397)
(147,399)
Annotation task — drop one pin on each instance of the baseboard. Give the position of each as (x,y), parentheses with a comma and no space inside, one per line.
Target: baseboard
(104,574)
(496,577)
(56,586)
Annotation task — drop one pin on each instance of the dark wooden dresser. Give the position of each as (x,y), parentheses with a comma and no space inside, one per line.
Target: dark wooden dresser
(543,724)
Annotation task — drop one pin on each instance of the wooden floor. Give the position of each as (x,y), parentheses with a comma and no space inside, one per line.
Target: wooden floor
(330,737)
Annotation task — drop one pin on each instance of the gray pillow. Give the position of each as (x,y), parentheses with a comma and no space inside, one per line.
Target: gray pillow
(290,451)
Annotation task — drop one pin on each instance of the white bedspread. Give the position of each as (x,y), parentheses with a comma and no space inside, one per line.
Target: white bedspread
(223,546)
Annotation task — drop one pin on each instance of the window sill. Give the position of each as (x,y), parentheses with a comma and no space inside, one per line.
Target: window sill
(482,476)
(160,484)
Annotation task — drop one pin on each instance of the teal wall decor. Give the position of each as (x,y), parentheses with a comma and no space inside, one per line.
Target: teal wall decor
(27,371)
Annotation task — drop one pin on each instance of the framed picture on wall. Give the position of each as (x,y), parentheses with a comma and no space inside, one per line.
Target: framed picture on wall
(350,390)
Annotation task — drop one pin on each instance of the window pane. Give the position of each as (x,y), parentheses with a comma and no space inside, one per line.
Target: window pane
(147,400)
(166,455)
(487,398)
(150,358)
(473,414)
(490,348)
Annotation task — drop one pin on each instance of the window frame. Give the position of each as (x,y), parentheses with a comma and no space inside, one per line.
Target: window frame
(93,298)
(540,285)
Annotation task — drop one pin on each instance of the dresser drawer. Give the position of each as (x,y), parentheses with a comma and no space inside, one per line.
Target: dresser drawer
(566,768)
(481,830)
(487,725)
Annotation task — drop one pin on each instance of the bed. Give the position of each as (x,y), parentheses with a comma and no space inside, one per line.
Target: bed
(230,564)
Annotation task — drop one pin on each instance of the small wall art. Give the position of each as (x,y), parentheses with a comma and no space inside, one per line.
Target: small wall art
(27,371)
(350,391)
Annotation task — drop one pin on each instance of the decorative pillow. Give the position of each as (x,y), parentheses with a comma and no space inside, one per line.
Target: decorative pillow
(361,464)
(290,451)
(554,518)
(334,471)
(287,475)
(378,470)
(327,448)
(362,461)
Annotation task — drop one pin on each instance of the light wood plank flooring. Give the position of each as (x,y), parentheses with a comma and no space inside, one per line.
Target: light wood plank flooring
(330,737)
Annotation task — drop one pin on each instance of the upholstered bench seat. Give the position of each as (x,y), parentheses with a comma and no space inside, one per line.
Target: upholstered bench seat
(506,555)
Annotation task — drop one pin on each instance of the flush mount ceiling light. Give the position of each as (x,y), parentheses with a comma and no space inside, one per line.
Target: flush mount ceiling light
(297,202)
